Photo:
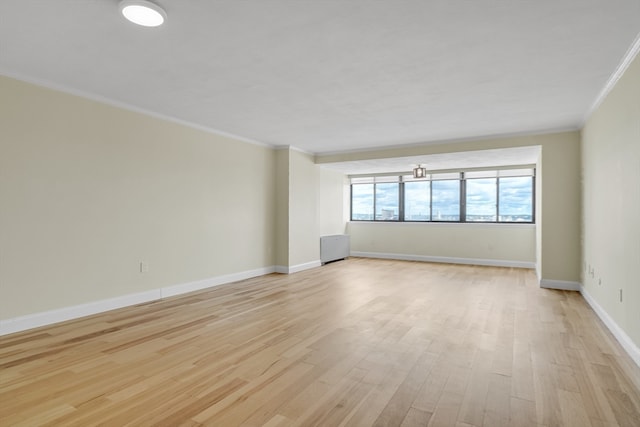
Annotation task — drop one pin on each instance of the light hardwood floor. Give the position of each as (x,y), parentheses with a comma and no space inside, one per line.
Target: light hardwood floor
(354,343)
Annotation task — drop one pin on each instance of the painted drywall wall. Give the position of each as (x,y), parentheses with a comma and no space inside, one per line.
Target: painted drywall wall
(560,200)
(88,191)
(611,198)
(304,242)
(558,223)
(331,202)
(511,244)
(282,208)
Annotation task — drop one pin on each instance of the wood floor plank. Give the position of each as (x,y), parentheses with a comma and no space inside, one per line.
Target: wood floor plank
(447,409)
(416,417)
(383,389)
(473,405)
(522,413)
(573,410)
(399,405)
(497,411)
(360,342)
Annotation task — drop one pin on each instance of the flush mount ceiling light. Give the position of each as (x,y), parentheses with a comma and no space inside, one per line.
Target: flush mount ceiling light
(419,172)
(143,12)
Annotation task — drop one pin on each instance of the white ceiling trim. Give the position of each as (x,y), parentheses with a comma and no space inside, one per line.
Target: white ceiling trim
(128,107)
(608,87)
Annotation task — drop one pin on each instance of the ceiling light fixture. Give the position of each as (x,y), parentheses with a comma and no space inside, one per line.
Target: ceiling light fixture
(419,172)
(143,12)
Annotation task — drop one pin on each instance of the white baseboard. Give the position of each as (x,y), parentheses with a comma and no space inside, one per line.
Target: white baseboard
(630,347)
(305,266)
(30,321)
(561,285)
(297,268)
(447,260)
(184,288)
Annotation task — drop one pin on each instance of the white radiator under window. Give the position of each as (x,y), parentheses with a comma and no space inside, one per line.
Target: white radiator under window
(334,247)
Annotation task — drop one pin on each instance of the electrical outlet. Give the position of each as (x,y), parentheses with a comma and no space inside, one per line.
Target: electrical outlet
(144,267)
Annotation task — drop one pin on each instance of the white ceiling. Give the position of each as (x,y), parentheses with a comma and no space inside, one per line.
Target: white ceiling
(332,75)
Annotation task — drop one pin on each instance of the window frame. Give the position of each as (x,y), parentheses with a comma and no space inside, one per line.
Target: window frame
(433,176)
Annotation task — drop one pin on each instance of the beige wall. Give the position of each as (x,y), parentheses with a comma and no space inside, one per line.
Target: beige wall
(558,221)
(331,206)
(513,243)
(315,207)
(88,191)
(304,241)
(560,204)
(611,198)
(282,208)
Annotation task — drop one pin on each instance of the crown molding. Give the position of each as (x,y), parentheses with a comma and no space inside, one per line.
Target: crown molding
(627,59)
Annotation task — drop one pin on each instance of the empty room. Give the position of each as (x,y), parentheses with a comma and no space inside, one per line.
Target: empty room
(319,213)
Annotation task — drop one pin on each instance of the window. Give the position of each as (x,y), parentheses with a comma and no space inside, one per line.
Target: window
(481,196)
(361,202)
(417,201)
(516,199)
(375,199)
(481,200)
(467,196)
(387,198)
(445,197)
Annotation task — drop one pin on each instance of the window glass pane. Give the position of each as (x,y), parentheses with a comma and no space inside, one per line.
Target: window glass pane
(481,200)
(445,200)
(416,201)
(362,202)
(516,199)
(387,202)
